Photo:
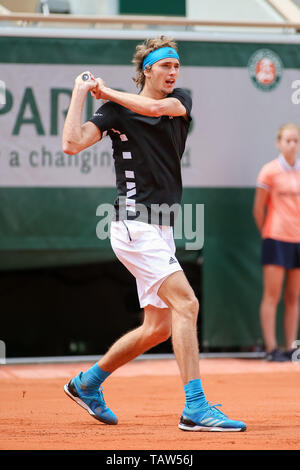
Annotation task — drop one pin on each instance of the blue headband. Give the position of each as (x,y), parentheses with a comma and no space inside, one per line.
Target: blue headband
(159,54)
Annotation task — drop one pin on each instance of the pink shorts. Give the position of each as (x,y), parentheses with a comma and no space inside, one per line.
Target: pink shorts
(148,252)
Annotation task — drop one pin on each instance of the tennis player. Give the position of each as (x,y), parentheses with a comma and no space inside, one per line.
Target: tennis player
(277,215)
(148,132)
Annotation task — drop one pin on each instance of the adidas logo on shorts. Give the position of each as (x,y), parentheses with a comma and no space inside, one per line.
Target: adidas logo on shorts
(172,260)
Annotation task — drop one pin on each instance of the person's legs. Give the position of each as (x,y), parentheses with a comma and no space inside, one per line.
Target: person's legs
(272,284)
(198,414)
(291,312)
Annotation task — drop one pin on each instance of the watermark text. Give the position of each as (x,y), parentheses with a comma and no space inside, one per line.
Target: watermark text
(187,220)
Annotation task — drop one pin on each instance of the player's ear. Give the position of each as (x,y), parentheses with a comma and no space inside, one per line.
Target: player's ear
(147,72)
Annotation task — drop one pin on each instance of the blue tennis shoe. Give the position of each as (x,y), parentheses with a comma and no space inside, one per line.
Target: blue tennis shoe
(92,401)
(208,419)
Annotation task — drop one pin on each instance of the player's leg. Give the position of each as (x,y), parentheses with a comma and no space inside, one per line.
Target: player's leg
(273,276)
(291,312)
(198,414)
(155,329)
(84,388)
(176,292)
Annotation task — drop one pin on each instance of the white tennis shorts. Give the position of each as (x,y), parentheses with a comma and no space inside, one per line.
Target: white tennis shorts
(148,252)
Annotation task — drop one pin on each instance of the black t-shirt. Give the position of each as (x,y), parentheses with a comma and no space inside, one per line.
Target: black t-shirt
(147,152)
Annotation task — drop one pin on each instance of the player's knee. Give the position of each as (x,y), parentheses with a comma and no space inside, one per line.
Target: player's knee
(191,307)
(164,333)
(187,310)
(194,304)
(160,333)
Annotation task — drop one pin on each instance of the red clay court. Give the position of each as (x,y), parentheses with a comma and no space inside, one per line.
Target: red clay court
(147,396)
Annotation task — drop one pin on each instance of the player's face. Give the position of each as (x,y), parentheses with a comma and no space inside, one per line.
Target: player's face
(163,75)
(289,144)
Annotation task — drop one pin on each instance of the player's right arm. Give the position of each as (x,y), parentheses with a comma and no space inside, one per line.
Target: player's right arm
(260,206)
(77,137)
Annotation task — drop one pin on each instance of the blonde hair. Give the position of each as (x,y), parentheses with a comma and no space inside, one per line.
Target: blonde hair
(289,125)
(142,50)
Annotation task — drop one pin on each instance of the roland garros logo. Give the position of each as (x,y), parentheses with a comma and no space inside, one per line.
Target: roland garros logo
(265,69)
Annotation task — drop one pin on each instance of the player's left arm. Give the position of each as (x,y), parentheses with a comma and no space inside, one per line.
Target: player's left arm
(141,104)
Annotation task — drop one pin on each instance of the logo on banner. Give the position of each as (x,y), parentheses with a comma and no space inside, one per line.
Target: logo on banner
(265,69)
